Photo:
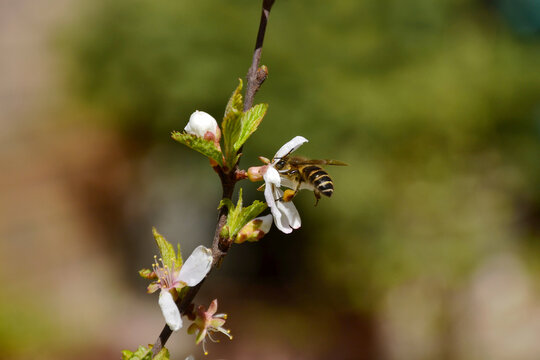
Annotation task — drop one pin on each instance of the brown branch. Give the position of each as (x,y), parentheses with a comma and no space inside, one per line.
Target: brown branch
(220,245)
(256,75)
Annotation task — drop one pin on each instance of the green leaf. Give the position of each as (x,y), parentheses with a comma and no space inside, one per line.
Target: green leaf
(226,202)
(235,103)
(147,274)
(231,125)
(247,214)
(165,248)
(162,355)
(206,147)
(240,216)
(141,353)
(250,122)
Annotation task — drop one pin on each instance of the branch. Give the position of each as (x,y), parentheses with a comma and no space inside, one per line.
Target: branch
(256,75)
(220,245)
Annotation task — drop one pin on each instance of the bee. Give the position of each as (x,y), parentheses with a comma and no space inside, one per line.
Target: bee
(300,173)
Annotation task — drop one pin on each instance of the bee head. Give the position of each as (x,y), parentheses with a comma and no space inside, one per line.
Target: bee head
(281,164)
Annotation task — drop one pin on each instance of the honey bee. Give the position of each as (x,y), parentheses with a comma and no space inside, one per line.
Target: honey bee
(300,173)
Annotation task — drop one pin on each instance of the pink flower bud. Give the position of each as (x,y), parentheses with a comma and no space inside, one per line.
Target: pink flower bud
(255,229)
(255,173)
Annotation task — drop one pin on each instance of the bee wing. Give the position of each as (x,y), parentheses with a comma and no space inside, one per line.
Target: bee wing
(335,162)
(297,160)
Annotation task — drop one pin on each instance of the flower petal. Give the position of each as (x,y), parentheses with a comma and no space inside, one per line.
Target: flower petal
(290,212)
(170,310)
(266,223)
(196,266)
(213,307)
(271,176)
(269,195)
(153,287)
(281,221)
(286,217)
(290,146)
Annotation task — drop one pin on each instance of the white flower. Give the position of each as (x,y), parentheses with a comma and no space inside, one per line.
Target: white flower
(174,278)
(203,125)
(286,216)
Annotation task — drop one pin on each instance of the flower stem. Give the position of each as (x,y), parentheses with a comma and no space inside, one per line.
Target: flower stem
(220,245)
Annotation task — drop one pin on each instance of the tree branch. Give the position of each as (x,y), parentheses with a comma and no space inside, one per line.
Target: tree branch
(256,75)
(220,245)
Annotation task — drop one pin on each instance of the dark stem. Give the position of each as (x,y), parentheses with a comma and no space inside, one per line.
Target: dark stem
(256,76)
(220,245)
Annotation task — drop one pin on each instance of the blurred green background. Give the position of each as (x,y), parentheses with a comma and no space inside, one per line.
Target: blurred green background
(428,249)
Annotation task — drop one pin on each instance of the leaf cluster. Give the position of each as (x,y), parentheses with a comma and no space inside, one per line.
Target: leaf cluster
(237,126)
(239,215)
(143,353)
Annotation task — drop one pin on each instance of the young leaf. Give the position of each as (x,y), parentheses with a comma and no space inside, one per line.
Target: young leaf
(147,274)
(165,248)
(250,122)
(247,214)
(235,103)
(232,125)
(162,355)
(141,353)
(240,216)
(206,147)
(226,202)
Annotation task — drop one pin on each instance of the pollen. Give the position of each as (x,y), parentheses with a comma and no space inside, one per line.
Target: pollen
(288,195)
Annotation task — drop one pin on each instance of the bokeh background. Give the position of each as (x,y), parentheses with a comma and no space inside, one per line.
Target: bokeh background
(429,248)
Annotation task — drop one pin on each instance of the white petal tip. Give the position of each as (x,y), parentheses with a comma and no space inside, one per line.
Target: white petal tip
(170,310)
(291,146)
(197,266)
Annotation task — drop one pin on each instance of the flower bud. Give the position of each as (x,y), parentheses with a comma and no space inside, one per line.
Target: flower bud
(255,173)
(203,125)
(255,229)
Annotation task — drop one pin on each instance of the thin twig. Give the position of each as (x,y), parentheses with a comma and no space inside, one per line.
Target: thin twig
(256,76)
(220,245)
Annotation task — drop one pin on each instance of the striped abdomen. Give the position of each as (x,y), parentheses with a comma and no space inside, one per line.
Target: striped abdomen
(316,176)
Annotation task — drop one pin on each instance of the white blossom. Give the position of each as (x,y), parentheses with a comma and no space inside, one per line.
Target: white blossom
(286,217)
(200,123)
(193,271)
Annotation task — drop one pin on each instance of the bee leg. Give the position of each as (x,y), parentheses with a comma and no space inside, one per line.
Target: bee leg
(261,188)
(288,195)
(317,197)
